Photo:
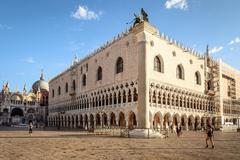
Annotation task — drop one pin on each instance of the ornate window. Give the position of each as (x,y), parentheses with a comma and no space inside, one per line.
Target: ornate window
(84,80)
(180,72)
(99,73)
(197,78)
(158,64)
(119,65)
(66,87)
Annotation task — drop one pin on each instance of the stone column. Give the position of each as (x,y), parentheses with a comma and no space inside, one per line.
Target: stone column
(117,94)
(117,120)
(94,122)
(161,98)
(105,100)
(112,98)
(151,97)
(101,121)
(108,121)
(161,124)
(83,123)
(157,93)
(121,98)
(143,84)
(186,125)
(132,97)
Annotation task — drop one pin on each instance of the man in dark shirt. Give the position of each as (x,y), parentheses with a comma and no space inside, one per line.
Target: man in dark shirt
(209,135)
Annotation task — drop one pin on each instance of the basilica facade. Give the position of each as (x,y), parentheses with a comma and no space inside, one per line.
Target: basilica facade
(22,107)
(143,79)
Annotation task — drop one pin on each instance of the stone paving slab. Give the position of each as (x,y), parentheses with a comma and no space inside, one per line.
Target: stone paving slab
(54,145)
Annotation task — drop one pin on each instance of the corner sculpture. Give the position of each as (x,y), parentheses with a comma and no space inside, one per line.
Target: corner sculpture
(143,17)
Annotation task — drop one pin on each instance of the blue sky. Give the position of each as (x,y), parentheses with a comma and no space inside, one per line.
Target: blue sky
(45,34)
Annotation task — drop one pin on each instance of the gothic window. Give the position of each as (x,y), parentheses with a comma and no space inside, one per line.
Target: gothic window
(59,90)
(66,87)
(158,64)
(180,72)
(197,78)
(119,65)
(84,80)
(99,73)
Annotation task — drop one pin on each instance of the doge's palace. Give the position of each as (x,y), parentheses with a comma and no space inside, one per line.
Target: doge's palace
(143,79)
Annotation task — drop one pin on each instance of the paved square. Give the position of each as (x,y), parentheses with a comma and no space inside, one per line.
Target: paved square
(54,145)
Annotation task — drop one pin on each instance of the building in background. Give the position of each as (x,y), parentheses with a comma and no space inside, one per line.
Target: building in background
(143,79)
(22,107)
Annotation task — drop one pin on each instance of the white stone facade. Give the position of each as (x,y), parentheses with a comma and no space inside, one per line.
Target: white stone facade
(143,79)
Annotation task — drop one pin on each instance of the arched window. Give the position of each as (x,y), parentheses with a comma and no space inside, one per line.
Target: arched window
(74,85)
(59,90)
(180,72)
(99,73)
(158,64)
(66,87)
(119,65)
(84,80)
(197,78)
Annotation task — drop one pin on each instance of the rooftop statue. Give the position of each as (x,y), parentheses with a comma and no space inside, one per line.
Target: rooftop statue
(143,17)
(137,20)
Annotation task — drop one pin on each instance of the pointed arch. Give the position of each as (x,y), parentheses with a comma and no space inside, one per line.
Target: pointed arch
(158,64)
(99,73)
(197,78)
(119,65)
(180,72)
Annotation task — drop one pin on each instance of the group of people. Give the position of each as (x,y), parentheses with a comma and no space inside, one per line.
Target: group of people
(208,131)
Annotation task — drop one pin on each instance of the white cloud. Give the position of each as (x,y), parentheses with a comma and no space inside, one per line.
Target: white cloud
(216,49)
(83,13)
(29,60)
(179,4)
(4,26)
(236,40)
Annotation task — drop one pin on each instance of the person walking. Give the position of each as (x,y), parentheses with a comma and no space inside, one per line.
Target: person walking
(209,135)
(166,132)
(30,128)
(179,130)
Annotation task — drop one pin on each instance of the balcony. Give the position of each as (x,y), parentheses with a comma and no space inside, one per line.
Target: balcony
(210,93)
(72,93)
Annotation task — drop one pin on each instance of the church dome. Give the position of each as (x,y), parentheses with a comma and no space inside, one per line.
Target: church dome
(40,85)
